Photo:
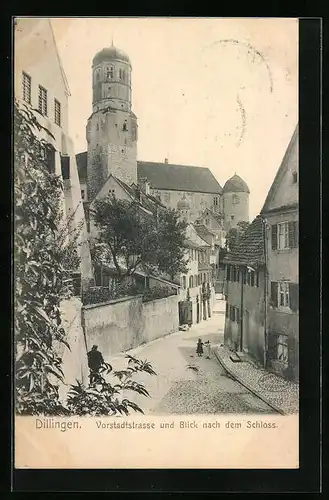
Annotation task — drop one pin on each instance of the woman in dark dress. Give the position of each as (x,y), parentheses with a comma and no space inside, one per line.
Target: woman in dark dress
(199,348)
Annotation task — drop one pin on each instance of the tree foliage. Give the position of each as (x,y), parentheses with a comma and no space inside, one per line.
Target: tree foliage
(44,257)
(234,235)
(135,237)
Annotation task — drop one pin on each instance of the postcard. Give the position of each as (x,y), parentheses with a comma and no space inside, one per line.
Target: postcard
(156,243)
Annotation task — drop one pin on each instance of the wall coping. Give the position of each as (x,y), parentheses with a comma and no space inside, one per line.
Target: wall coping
(112,301)
(161,298)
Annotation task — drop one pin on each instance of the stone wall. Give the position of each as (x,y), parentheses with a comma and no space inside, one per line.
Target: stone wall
(74,360)
(125,323)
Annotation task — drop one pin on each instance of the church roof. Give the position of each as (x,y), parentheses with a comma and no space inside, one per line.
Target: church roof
(250,249)
(166,176)
(235,185)
(178,177)
(110,54)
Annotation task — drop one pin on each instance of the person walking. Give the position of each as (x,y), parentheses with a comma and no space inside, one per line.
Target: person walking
(199,348)
(208,349)
(96,363)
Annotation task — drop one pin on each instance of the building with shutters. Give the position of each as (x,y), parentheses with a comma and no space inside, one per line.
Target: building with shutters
(280,211)
(196,295)
(41,85)
(245,291)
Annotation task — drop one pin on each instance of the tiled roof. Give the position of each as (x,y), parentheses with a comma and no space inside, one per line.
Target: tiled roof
(178,177)
(204,232)
(166,176)
(250,249)
(235,185)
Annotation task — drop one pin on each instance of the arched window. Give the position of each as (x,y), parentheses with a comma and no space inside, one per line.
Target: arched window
(190,282)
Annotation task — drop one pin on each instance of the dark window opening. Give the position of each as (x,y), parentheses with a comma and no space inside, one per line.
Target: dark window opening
(294,177)
(65,167)
(124,128)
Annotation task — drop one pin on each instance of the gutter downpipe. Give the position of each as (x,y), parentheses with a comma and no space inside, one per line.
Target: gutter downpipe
(265,291)
(243,272)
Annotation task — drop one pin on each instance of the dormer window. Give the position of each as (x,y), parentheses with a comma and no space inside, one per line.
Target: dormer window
(294,177)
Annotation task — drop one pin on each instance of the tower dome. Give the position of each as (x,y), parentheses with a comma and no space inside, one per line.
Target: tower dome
(183,204)
(235,185)
(109,54)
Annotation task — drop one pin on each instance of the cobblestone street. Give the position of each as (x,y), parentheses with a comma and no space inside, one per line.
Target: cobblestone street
(186,383)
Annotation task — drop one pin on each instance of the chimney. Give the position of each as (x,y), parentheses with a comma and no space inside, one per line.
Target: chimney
(166,160)
(145,185)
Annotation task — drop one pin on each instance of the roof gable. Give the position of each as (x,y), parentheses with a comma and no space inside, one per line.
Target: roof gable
(178,177)
(283,191)
(194,239)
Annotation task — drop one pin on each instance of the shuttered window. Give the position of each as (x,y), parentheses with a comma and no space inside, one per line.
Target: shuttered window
(43,101)
(293,295)
(257,278)
(274,293)
(293,234)
(226,310)
(284,294)
(26,87)
(57,112)
(284,235)
(274,236)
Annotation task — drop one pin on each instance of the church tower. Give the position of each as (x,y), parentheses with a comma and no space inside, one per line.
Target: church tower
(111,130)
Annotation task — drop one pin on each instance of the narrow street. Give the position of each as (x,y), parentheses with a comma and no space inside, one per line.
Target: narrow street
(186,383)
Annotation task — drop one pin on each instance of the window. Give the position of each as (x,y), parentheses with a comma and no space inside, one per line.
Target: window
(82,194)
(26,84)
(232,217)
(42,102)
(207,221)
(294,177)
(215,201)
(65,166)
(57,106)
(124,128)
(190,282)
(112,191)
(235,200)
(109,72)
(282,348)
(184,282)
(284,235)
(120,73)
(283,294)
(237,315)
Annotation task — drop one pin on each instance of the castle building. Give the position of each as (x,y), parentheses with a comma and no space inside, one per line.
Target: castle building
(111,156)
(235,202)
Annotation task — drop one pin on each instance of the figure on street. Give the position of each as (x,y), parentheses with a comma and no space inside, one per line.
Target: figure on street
(208,349)
(96,364)
(199,348)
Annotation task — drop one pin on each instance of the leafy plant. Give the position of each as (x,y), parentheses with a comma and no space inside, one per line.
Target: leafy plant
(105,397)
(45,253)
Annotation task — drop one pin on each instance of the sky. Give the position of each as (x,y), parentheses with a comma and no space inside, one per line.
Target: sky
(218,93)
